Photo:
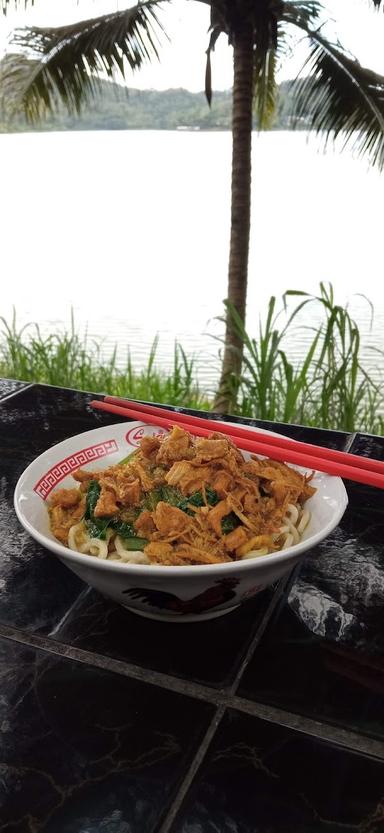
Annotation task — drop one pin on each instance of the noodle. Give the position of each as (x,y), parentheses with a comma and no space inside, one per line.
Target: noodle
(127,555)
(180,500)
(95,547)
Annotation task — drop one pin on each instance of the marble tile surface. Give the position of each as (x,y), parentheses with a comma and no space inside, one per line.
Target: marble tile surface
(345,575)
(10,386)
(259,777)
(205,652)
(84,750)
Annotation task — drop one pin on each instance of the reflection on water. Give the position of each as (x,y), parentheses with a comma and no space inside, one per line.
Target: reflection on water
(131,230)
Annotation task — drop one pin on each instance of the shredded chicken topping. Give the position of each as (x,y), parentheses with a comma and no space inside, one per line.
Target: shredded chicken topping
(181,500)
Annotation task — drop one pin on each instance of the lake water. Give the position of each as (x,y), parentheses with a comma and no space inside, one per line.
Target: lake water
(131,230)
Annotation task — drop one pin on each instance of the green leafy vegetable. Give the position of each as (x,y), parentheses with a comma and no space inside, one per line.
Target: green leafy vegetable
(122,528)
(197,498)
(151,499)
(229,522)
(135,543)
(93,494)
(175,498)
(96,527)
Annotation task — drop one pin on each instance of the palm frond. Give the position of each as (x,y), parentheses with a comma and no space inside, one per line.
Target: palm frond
(65,63)
(6,5)
(339,96)
(302,13)
(215,34)
(219,24)
(265,89)
(267,44)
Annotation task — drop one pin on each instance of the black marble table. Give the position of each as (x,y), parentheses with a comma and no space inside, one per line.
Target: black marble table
(267,720)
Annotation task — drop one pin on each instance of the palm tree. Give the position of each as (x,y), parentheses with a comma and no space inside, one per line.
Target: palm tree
(336,94)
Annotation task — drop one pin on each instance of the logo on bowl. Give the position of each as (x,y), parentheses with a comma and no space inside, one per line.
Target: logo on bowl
(219,593)
(134,435)
(57,473)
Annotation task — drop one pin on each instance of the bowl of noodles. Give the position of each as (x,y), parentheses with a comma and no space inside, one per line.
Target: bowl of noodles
(170,526)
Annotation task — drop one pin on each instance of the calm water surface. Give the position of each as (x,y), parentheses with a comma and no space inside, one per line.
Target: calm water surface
(131,230)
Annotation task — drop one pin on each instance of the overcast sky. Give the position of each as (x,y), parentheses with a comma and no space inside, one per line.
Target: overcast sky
(183,59)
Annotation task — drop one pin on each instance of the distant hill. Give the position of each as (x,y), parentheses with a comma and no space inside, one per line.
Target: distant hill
(119,108)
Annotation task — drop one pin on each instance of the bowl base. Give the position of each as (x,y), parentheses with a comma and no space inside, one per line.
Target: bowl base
(180,619)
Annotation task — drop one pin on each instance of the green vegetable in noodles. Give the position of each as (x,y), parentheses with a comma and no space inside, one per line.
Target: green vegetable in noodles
(93,494)
(135,543)
(175,498)
(125,530)
(229,522)
(197,498)
(151,499)
(97,528)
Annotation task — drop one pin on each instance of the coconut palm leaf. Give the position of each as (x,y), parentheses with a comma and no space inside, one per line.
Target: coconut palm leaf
(302,13)
(7,5)
(264,65)
(215,34)
(265,95)
(66,62)
(270,47)
(341,97)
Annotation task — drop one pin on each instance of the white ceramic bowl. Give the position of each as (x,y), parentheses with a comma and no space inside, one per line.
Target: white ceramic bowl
(177,594)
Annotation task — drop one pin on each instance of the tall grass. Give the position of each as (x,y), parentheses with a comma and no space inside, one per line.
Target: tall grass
(66,359)
(327,386)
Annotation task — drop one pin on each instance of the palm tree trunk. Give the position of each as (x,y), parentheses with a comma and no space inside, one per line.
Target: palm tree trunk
(240,213)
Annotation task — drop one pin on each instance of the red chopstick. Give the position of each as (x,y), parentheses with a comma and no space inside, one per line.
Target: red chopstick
(254,435)
(277,452)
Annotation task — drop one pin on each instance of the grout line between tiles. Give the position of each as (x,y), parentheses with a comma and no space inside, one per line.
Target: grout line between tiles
(176,805)
(196,762)
(126,669)
(277,596)
(345,738)
(8,396)
(349,441)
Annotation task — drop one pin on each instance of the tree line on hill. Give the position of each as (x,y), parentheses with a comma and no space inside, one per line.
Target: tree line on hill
(120,108)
